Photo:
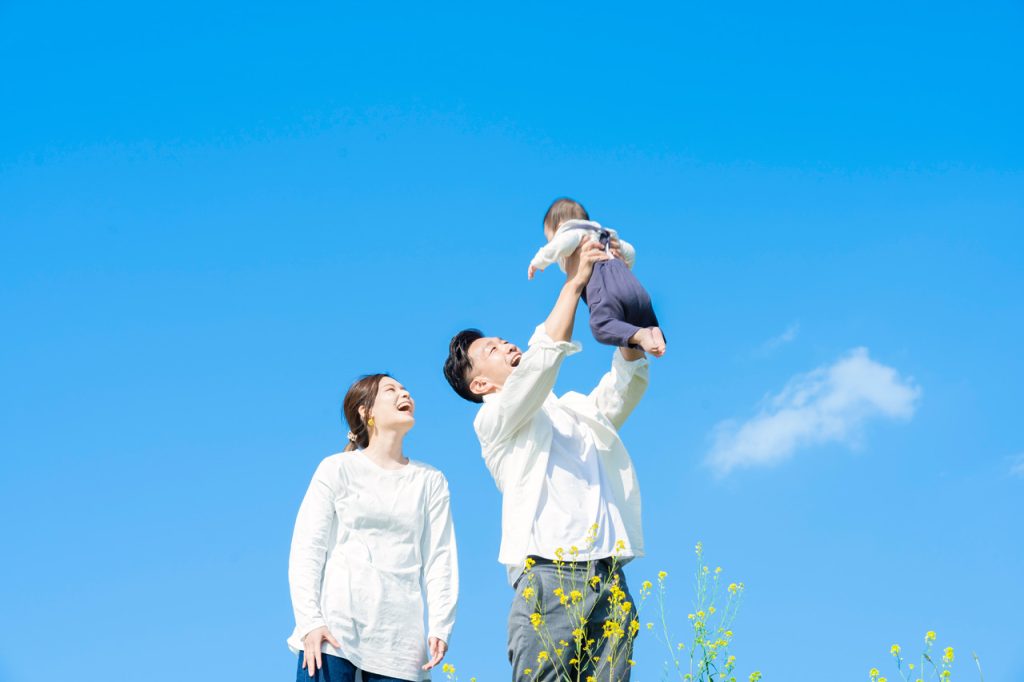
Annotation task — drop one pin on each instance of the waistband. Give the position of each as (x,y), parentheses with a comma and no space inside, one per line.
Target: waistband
(605,562)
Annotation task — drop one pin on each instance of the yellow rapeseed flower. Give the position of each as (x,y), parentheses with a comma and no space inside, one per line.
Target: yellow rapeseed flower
(528,671)
(591,678)
(620,545)
(732,588)
(542,656)
(528,593)
(536,620)
(662,575)
(529,563)
(647,585)
(883,679)
(718,570)
(699,548)
(945,674)
(947,655)
(873,673)
(755,676)
(612,629)
(895,650)
(448,668)
(631,662)
(595,581)
(575,596)
(711,609)
(728,633)
(929,637)
(910,666)
(650,625)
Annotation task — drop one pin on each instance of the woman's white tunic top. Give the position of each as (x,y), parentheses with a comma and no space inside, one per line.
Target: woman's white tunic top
(369,543)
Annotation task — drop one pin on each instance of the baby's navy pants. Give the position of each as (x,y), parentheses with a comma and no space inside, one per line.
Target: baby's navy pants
(619,304)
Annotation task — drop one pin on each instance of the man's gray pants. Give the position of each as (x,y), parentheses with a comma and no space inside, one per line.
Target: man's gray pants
(559,621)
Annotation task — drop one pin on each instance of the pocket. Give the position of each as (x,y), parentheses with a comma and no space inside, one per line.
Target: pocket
(528,580)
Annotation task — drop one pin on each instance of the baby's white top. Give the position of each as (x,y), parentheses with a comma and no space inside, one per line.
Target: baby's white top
(569,235)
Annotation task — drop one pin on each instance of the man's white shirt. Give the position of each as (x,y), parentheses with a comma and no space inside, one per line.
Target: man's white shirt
(543,451)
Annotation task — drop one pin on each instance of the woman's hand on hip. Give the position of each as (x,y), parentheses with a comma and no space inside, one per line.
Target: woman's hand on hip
(438,648)
(312,644)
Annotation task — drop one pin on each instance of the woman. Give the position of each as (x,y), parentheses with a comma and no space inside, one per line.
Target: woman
(373,535)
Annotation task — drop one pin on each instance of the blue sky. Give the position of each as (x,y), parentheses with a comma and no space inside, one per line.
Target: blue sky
(215,217)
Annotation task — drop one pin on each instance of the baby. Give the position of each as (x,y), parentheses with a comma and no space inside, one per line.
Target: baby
(620,307)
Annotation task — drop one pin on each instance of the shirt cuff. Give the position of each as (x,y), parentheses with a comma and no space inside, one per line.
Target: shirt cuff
(310,626)
(441,634)
(540,338)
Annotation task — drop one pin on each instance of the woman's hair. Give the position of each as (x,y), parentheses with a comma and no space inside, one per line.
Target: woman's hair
(561,210)
(362,393)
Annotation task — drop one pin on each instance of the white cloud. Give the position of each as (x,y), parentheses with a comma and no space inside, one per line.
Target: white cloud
(829,404)
(1017,465)
(782,339)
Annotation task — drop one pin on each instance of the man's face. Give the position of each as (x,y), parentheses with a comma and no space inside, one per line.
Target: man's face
(493,360)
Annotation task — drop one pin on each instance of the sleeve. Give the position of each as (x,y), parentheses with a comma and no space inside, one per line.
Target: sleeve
(309,551)
(440,564)
(628,252)
(561,246)
(525,390)
(621,388)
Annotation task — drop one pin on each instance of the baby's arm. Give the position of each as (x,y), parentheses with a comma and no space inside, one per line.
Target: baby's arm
(563,244)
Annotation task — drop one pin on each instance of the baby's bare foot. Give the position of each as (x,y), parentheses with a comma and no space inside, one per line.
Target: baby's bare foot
(651,340)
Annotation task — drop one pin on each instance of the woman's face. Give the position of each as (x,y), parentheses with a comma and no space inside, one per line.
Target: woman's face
(393,407)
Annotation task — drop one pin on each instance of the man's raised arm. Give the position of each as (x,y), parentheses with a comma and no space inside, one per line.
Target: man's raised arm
(563,316)
(530,383)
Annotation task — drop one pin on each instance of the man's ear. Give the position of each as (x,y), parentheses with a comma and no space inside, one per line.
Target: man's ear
(481,385)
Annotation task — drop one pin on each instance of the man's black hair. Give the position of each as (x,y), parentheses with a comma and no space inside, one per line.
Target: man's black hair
(458,364)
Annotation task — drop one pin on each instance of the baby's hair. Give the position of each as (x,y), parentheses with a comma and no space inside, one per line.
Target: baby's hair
(563,209)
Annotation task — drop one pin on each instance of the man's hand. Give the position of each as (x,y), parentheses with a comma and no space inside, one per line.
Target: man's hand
(578,269)
(438,648)
(586,255)
(311,659)
(613,247)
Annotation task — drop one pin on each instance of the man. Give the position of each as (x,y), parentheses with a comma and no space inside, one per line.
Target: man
(562,470)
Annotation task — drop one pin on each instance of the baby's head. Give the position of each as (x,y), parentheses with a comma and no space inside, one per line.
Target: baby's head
(561,210)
